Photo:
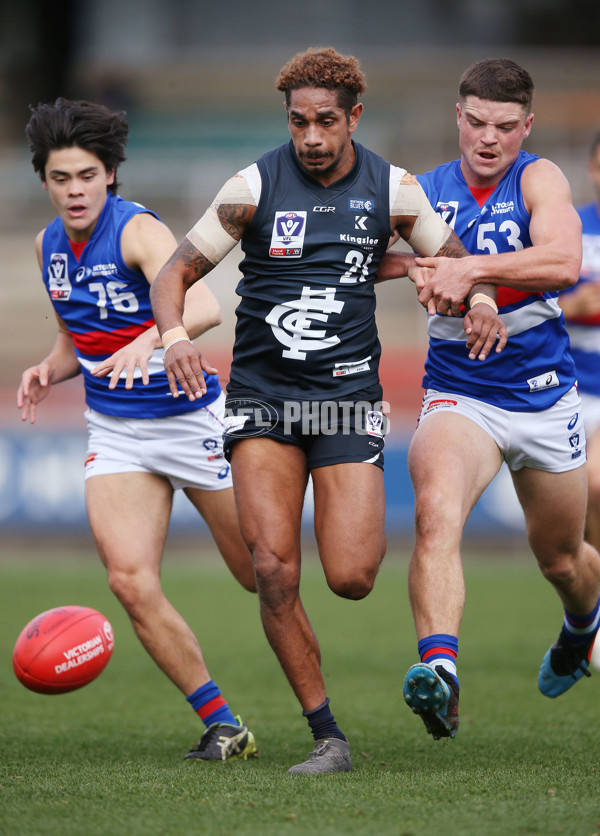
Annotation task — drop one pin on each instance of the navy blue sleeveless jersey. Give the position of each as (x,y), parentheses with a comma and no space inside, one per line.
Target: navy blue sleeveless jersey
(105,305)
(535,368)
(306,319)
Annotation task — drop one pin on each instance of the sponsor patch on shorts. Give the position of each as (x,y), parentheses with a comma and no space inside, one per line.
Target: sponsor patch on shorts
(343,369)
(440,403)
(543,381)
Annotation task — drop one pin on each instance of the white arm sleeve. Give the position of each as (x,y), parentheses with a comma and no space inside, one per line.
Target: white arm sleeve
(208,236)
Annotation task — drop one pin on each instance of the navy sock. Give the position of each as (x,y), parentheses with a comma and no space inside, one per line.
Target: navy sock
(321,722)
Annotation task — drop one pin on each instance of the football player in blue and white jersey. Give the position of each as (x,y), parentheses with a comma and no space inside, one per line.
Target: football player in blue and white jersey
(98,258)
(581,308)
(513,212)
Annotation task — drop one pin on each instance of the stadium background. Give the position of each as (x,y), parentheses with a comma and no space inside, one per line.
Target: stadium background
(197,82)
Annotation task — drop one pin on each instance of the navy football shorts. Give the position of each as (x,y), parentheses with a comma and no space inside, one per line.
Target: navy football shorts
(351,429)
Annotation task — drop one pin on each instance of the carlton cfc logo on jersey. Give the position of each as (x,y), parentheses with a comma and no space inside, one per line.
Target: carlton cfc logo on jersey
(288,235)
(59,286)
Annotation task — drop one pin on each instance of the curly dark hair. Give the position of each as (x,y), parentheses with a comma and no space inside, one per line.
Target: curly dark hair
(497,80)
(324,67)
(66,124)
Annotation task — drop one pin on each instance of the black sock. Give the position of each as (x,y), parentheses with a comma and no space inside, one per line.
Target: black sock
(321,722)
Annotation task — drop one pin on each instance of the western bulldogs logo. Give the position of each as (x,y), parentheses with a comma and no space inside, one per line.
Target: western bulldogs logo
(448,209)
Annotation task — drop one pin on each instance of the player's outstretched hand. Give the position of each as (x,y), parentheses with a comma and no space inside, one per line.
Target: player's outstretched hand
(484,330)
(447,285)
(35,386)
(420,276)
(184,365)
(133,356)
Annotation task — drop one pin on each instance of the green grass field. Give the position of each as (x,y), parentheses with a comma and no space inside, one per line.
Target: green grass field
(107,760)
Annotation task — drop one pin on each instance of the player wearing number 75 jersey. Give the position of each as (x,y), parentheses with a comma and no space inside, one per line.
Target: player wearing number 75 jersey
(98,259)
(314,218)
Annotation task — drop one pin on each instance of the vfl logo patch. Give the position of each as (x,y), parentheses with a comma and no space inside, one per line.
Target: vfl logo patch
(59,285)
(287,238)
(374,423)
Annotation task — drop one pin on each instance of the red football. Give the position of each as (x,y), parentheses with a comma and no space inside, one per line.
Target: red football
(63,649)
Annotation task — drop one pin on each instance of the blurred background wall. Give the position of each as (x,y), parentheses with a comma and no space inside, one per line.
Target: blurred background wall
(197,81)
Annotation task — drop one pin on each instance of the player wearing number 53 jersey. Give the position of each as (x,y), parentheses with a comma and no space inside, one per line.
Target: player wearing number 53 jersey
(515,215)
(314,218)
(535,369)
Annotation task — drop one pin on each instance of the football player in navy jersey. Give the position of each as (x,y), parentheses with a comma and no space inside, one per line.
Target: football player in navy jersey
(513,211)
(98,259)
(314,217)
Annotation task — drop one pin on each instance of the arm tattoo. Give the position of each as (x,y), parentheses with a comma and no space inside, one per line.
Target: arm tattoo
(192,259)
(452,247)
(234,218)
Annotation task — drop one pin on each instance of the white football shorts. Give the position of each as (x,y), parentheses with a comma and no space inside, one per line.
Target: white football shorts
(185,449)
(552,440)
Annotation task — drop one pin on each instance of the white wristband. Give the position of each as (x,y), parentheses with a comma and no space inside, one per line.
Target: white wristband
(487,300)
(177,340)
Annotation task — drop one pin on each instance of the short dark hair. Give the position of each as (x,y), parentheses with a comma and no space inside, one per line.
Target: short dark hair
(82,124)
(497,80)
(324,67)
